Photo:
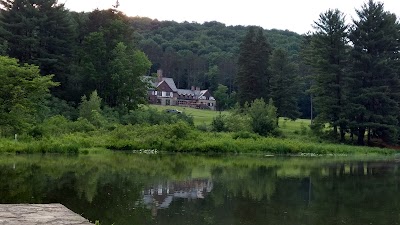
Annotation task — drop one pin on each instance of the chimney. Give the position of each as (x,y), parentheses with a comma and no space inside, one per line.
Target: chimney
(192,88)
(159,75)
(197,91)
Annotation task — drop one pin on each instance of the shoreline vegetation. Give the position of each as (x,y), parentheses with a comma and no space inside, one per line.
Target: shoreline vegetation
(62,136)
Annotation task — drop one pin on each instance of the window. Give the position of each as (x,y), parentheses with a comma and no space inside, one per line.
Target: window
(168,93)
(167,102)
(159,93)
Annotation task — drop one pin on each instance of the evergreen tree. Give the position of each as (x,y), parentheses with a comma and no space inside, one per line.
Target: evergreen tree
(329,56)
(284,85)
(253,75)
(375,90)
(3,41)
(39,32)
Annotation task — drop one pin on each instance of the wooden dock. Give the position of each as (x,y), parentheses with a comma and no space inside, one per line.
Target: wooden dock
(52,214)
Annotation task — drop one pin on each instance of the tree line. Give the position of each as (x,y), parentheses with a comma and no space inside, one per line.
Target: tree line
(350,71)
(355,73)
(84,51)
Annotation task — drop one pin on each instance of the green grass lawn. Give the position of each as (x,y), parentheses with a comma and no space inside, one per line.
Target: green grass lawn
(289,128)
(200,116)
(294,127)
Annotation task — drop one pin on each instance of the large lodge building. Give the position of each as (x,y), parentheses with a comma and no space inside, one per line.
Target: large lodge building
(163,91)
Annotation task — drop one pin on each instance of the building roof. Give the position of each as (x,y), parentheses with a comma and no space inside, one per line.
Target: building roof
(170,83)
(185,92)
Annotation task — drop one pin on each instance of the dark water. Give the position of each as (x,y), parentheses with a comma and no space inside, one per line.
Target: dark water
(182,189)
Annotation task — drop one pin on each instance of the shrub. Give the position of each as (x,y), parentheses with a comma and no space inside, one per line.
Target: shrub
(218,124)
(202,127)
(263,117)
(179,130)
(238,122)
(59,125)
(245,135)
(154,117)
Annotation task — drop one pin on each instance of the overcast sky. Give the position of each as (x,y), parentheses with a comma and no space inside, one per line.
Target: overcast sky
(294,15)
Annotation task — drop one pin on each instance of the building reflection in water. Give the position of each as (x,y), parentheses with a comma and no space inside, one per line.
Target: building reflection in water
(161,196)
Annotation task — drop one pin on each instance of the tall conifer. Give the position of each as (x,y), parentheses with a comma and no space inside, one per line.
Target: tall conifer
(329,56)
(284,85)
(253,75)
(375,90)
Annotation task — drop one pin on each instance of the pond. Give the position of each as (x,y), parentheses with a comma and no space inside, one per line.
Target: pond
(123,189)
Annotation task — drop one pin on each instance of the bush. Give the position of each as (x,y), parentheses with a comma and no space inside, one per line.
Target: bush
(245,135)
(59,125)
(154,117)
(218,124)
(179,130)
(202,127)
(263,117)
(238,122)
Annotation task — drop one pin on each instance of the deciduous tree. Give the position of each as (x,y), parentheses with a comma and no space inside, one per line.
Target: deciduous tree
(22,90)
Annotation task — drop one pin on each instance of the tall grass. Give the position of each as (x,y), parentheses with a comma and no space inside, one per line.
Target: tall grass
(178,137)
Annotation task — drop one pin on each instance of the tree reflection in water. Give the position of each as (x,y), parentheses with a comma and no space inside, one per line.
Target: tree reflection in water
(184,189)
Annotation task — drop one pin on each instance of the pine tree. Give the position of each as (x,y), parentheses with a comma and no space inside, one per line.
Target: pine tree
(253,75)
(328,58)
(39,32)
(375,94)
(284,85)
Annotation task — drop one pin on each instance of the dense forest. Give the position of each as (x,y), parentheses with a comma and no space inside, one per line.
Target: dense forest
(206,55)
(95,61)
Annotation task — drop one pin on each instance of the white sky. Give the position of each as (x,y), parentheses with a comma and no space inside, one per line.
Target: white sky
(294,15)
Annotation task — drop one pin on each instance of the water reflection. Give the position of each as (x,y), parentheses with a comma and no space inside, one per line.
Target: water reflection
(182,189)
(162,195)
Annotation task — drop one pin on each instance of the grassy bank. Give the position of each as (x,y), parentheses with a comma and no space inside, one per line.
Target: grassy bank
(177,137)
(158,130)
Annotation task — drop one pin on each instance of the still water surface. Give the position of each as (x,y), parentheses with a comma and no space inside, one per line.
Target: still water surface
(124,189)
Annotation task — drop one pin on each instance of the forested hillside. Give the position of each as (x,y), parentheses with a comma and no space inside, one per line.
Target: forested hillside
(201,54)
(206,54)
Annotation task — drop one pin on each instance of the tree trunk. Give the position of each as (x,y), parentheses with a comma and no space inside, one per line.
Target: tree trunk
(351,135)
(369,136)
(335,131)
(361,134)
(342,134)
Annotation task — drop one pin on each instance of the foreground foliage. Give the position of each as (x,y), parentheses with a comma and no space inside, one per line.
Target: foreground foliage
(61,136)
(22,90)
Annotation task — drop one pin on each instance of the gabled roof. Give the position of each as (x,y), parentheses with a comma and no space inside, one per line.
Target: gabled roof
(154,82)
(170,83)
(202,92)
